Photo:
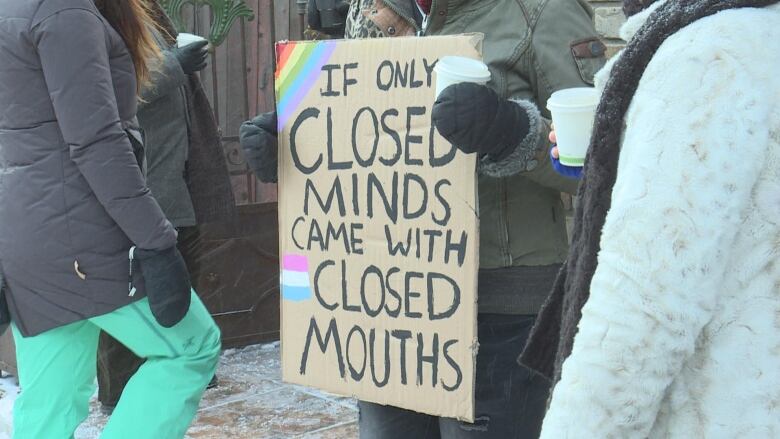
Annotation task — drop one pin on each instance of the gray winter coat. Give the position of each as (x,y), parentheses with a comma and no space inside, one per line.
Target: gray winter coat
(72,198)
(162,113)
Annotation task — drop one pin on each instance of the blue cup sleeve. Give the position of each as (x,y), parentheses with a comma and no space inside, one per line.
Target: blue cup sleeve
(573,172)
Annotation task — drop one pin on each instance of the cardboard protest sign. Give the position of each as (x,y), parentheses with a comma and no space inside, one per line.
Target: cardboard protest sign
(378,226)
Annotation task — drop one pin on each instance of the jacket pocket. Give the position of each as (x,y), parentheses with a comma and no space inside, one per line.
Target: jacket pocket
(137,140)
(589,55)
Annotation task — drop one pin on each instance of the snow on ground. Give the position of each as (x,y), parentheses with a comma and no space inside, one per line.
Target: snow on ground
(251,402)
(8,391)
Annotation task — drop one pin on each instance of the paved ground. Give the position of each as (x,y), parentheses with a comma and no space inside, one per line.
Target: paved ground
(251,402)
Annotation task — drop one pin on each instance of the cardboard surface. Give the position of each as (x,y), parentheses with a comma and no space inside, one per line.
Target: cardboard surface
(379,240)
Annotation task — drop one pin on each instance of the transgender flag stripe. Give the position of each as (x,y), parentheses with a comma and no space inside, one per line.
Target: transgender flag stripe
(296,263)
(296,294)
(295,278)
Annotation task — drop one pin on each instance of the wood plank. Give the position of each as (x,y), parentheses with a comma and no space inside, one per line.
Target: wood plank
(264,85)
(253,35)
(265,53)
(282,19)
(296,24)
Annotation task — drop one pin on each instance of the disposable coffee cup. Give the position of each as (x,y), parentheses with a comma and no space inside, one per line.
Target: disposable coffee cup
(573,112)
(184,39)
(456,69)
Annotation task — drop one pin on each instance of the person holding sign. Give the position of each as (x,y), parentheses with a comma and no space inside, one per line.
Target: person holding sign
(523,237)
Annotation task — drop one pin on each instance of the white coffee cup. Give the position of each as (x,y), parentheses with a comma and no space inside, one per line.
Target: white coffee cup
(455,69)
(573,112)
(184,39)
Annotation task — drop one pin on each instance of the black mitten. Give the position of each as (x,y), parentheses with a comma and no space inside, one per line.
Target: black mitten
(328,16)
(476,120)
(258,139)
(192,57)
(167,283)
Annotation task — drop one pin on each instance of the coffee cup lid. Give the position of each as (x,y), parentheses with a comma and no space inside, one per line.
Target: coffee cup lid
(462,68)
(185,38)
(574,98)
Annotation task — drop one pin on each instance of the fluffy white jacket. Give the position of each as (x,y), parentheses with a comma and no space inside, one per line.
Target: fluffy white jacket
(681,335)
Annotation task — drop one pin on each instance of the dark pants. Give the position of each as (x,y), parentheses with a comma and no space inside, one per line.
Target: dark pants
(510,399)
(115,363)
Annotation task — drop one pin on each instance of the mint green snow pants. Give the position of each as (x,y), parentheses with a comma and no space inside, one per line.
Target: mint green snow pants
(57,372)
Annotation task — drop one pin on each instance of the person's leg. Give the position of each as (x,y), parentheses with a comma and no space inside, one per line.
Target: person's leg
(510,399)
(161,399)
(385,422)
(115,365)
(192,248)
(57,378)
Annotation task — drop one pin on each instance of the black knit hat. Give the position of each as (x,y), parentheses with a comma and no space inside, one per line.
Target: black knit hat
(631,7)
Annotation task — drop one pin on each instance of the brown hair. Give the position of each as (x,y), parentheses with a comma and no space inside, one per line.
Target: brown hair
(133,21)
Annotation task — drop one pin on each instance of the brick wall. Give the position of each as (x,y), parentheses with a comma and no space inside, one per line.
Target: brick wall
(609,17)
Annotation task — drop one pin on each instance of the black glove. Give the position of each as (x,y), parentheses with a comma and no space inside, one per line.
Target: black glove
(167,283)
(258,139)
(192,57)
(328,16)
(476,120)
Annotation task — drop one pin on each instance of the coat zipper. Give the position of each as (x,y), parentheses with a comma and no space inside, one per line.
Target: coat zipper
(130,288)
(404,16)
(502,218)
(434,8)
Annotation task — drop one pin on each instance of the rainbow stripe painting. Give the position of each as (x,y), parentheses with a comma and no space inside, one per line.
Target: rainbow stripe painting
(295,278)
(298,66)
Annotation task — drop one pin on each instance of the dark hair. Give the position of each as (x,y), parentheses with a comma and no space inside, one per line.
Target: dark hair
(133,21)
(631,7)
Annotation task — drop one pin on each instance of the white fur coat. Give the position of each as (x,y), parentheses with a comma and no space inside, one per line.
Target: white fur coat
(681,335)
